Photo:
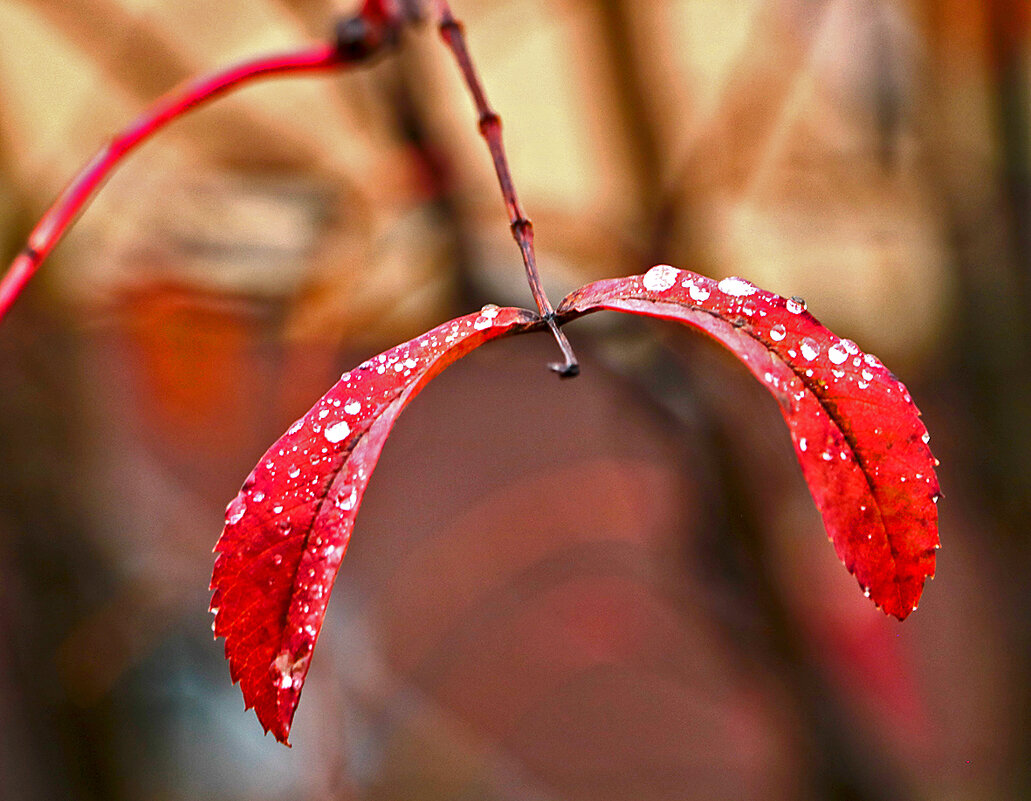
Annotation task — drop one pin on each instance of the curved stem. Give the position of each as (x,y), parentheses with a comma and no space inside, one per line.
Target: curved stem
(184,98)
(451,32)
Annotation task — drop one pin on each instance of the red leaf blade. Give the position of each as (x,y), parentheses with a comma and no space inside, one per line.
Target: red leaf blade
(856,432)
(287,529)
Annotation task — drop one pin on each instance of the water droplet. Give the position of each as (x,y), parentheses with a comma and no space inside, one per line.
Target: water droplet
(660,278)
(490,311)
(698,293)
(748,308)
(838,373)
(258,496)
(353,407)
(337,432)
(810,349)
(838,353)
(778,332)
(926,437)
(736,287)
(347,502)
(795,305)
(481,323)
(277,560)
(293,471)
(236,509)
(296,426)
(277,509)
(803,444)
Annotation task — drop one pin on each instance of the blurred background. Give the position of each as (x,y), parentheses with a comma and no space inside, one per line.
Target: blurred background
(609,588)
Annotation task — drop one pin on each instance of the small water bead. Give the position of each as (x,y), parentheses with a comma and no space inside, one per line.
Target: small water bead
(838,353)
(803,444)
(698,293)
(660,278)
(736,287)
(323,414)
(778,332)
(337,432)
(926,437)
(838,373)
(490,310)
(810,348)
(296,426)
(259,496)
(482,323)
(293,471)
(795,305)
(353,407)
(277,509)
(277,560)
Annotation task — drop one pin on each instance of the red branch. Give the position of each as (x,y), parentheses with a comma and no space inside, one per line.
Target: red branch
(451,32)
(174,104)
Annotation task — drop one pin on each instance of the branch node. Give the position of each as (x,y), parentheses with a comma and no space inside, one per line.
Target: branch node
(355,38)
(489,119)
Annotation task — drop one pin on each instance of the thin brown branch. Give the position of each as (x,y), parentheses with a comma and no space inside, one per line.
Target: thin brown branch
(489,122)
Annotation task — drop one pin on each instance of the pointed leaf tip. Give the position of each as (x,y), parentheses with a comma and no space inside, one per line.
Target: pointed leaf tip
(857,434)
(288,528)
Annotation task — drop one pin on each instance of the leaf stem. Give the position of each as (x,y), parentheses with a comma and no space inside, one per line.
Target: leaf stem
(451,31)
(355,42)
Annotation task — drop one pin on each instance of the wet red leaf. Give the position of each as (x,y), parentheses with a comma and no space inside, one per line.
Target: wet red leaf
(857,433)
(287,529)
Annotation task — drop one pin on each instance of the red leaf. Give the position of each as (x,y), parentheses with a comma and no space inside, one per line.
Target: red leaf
(287,530)
(857,434)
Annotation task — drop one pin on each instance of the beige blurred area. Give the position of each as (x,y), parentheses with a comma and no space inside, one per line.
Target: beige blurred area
(610,588)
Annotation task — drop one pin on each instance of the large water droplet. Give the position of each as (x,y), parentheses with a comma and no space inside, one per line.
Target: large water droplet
(236,509)
(337,432)
(810,348)
(736,287)
(796,305)
(353,407)
(660,278)
(838,353)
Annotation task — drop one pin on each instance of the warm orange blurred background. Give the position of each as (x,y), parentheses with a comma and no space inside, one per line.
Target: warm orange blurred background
(609,588)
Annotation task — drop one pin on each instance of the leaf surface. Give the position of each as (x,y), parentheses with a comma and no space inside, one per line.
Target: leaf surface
(287,530)
(856,432)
